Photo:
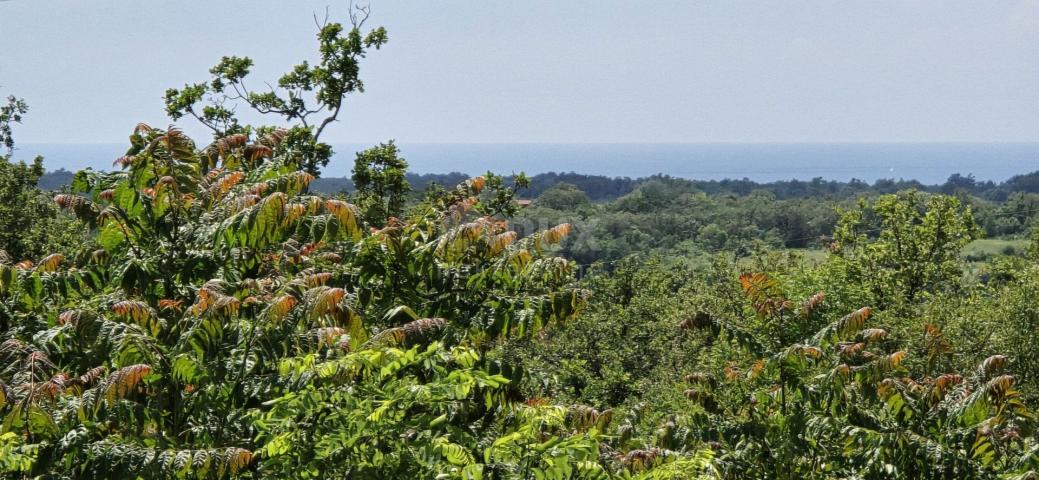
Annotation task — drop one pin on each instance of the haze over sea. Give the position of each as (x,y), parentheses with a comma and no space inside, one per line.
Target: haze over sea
(929,163)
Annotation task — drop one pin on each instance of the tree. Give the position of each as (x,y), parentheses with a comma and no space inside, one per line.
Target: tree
(380,184)
(220,311)
(312,95)
(712,236)
(30,224)
(563,196)
(11,113)
(215,290)
(25,211)
(840,402)
(957,182)
(916,248)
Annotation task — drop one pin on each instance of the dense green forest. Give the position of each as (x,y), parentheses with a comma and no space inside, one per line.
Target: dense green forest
(616,217)
(205,311)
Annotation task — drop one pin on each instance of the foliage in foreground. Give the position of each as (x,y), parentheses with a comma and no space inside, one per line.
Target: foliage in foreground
(784,374)
(221,308)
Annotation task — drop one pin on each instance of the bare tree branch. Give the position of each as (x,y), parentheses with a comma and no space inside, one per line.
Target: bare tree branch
(321,24)
(359,14)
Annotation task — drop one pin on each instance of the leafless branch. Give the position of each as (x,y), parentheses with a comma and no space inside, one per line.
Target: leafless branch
(201,120)
(359,14)
(321,23)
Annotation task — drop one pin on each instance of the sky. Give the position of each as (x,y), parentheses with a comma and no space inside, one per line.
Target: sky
(555,71)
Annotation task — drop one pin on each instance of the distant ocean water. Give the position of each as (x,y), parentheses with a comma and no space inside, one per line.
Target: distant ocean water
(929,163)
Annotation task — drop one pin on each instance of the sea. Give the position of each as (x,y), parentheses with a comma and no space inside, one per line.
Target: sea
(929,163)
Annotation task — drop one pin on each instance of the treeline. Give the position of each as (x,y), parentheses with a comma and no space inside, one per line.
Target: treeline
(597,187)
(822,188)
(602,188)
(680,217)
(685,218)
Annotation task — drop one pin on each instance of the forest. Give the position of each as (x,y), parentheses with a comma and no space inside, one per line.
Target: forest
(204,310)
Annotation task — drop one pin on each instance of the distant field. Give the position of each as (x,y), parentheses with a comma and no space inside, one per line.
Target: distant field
(812,256)
(988,247)
(977,250)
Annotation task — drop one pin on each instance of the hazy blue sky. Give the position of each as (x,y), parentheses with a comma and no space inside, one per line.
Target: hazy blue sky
(557,71)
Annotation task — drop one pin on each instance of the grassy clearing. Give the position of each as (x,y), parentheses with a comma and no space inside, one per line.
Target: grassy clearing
(978,251)
(990,247)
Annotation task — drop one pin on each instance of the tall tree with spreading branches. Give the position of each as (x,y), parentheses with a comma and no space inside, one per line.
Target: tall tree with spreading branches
(308,97)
